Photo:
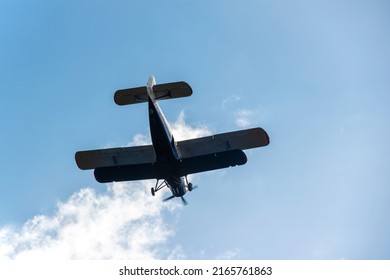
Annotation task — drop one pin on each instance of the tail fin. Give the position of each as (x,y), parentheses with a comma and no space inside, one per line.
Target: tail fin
(155,91)
(149,86)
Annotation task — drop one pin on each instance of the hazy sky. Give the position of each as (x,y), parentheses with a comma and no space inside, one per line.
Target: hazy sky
(313,74)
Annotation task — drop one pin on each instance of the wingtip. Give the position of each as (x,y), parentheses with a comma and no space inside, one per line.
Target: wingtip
(267,138)
(77,157)
(262,136)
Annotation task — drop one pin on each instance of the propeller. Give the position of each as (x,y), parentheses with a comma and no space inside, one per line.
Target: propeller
(182,199)
(190,187)
(168,198)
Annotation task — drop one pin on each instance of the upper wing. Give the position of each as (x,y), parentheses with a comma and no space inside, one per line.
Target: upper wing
(237,140)
(161,91)
(115,157)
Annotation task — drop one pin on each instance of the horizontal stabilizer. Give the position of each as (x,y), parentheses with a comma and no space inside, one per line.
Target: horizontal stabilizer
(161,91)
(115,156)
(236,140)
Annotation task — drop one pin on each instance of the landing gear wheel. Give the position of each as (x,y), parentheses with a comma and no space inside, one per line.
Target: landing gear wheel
(189,186)
(152,191)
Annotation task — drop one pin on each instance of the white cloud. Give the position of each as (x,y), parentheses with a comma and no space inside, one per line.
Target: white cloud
(230,99)
(140,139)
(181,130)
(228,255)
(245,118)
(124,222)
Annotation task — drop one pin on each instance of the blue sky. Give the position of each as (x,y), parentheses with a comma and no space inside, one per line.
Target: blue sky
(314,75)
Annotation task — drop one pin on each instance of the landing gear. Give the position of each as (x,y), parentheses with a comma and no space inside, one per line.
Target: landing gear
(158,187)
(189,185)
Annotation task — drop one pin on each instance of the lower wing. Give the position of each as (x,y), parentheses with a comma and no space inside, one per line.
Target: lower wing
(213,161)
(184,167)
(129,172)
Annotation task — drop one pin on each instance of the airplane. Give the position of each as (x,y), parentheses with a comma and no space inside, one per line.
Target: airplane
(168,160)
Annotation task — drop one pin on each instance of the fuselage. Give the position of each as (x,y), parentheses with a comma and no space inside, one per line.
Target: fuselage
(164,144)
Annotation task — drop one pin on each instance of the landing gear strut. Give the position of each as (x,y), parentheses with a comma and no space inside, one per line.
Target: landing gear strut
(158,187)
(189,185)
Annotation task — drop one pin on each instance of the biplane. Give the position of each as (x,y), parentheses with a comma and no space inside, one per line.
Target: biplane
(166,160)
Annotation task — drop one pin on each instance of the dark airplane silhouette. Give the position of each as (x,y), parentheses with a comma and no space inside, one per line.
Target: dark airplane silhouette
(166,159)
